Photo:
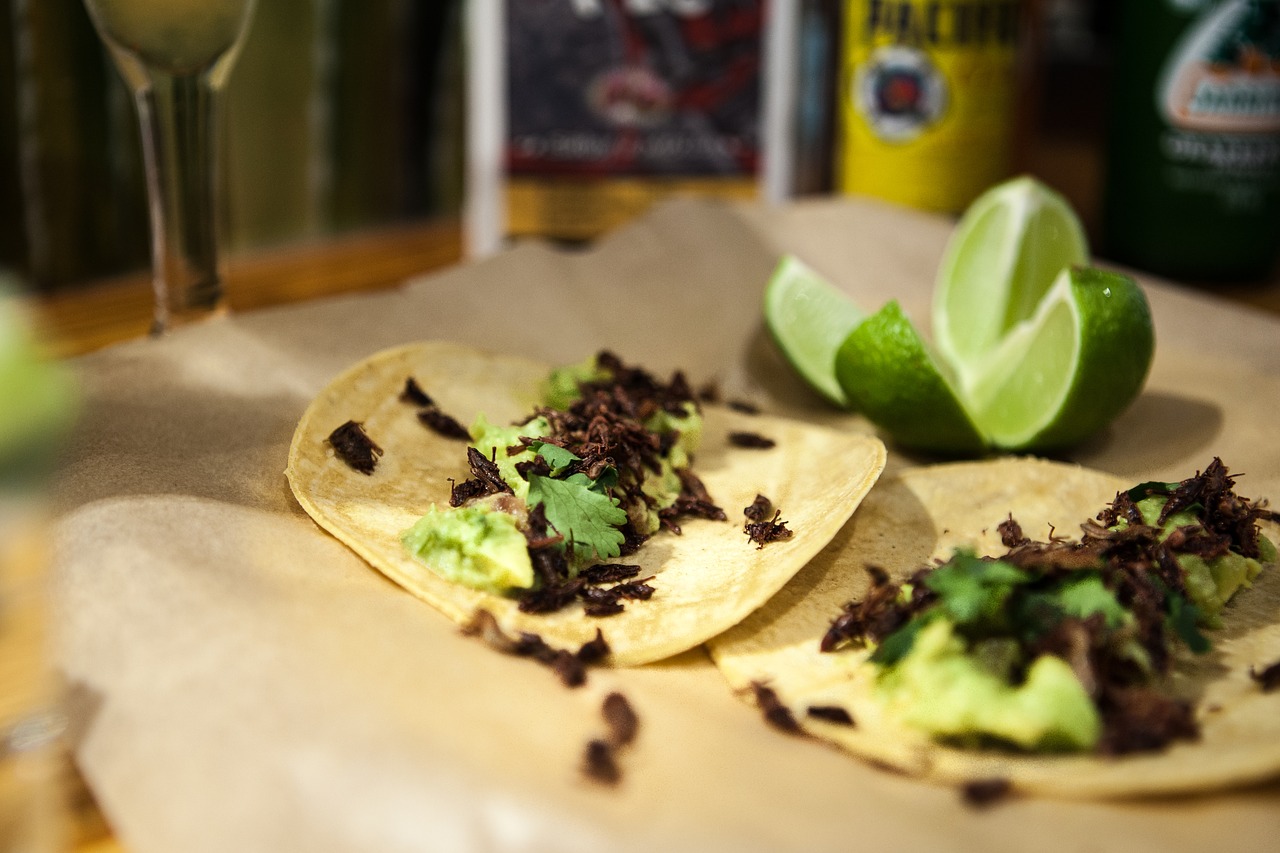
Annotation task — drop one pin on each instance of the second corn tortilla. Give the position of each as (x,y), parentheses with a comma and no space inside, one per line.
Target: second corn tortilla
(923,514)
(706,579)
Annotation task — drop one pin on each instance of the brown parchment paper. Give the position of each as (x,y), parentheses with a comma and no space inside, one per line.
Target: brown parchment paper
(243,682)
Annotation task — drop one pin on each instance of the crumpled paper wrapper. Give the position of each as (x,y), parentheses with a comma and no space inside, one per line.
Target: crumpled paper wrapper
(243,682)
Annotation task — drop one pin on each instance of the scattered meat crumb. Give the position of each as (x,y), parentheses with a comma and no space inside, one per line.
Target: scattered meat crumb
(831,714)
(983,793)
(1268,677)
(353,446)
(751,441)
(775,713)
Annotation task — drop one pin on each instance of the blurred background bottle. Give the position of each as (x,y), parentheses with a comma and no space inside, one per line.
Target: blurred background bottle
(1193,154)
(344,115)
(928,99)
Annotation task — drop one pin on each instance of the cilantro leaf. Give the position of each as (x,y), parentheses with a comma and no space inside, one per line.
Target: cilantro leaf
(1182,619)
(1079,596)
(1149,488)
(555,455)
(971,590)
(894,647)
(1085,596)
(587,518)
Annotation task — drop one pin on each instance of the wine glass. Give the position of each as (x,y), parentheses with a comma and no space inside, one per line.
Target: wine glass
(175,56)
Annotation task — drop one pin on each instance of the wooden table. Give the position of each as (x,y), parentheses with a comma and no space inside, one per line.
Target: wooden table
(106,312)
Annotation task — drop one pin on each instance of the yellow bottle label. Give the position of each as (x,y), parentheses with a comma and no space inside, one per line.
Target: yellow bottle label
(927,99)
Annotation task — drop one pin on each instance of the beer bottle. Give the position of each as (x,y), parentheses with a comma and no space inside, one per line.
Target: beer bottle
(928,99)
(1193,157)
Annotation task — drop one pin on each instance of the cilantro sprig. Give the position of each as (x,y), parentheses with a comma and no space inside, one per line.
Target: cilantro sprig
(989,599)
(578,507)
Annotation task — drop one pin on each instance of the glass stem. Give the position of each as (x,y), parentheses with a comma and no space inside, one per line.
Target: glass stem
(178,118)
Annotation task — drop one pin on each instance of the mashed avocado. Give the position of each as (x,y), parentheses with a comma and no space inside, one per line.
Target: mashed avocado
(561,387)
(1210,583)
(493,440)
(941,688)
(474,545)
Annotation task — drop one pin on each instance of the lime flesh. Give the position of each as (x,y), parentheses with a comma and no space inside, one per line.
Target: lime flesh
(808,319)
(1069,370)
(1003,257)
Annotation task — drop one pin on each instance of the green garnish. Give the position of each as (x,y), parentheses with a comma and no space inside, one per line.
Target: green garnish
(579,510)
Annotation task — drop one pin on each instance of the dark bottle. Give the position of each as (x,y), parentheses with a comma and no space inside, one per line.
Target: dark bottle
(1193,157)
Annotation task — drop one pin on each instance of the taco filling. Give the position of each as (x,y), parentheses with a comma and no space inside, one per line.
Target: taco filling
(1064,645)
(600,466)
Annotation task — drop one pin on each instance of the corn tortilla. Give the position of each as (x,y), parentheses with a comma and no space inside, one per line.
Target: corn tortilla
(924,514)
(706,579)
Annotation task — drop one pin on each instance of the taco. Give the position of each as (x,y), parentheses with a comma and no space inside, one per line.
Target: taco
(381,460)
(1136,657)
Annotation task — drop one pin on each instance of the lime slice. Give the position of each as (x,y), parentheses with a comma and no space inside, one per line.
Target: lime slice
(1069,369)
(808,319)
(1003,257)
(887,372)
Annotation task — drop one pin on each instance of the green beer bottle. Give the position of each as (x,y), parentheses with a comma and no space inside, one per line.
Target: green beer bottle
(1193,151)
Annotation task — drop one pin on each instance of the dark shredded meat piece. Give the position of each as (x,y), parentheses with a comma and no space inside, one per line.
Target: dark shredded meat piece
(1140,719)
(1011,533)
(709,392)
(875,617)
(981,793)
(621,719)
(751,440)
(600,764)
(353,446)
(764,532)
(536,465)
(600,609)
(550,597)
(486,471)
(485,626)
(693,501)
(775,713)
(631,540)
(460,493)
(414,395)
(485,480)
(568,666)
(760,509)
(743,407)
(594,650)
(602,573)
(831,714)
(639,590)
(1268,677)
(443,424)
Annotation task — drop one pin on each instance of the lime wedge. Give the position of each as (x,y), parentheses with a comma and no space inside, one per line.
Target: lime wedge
(887,372)
(808,319)
(1032,350)
(1069,369)
(1002,258)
